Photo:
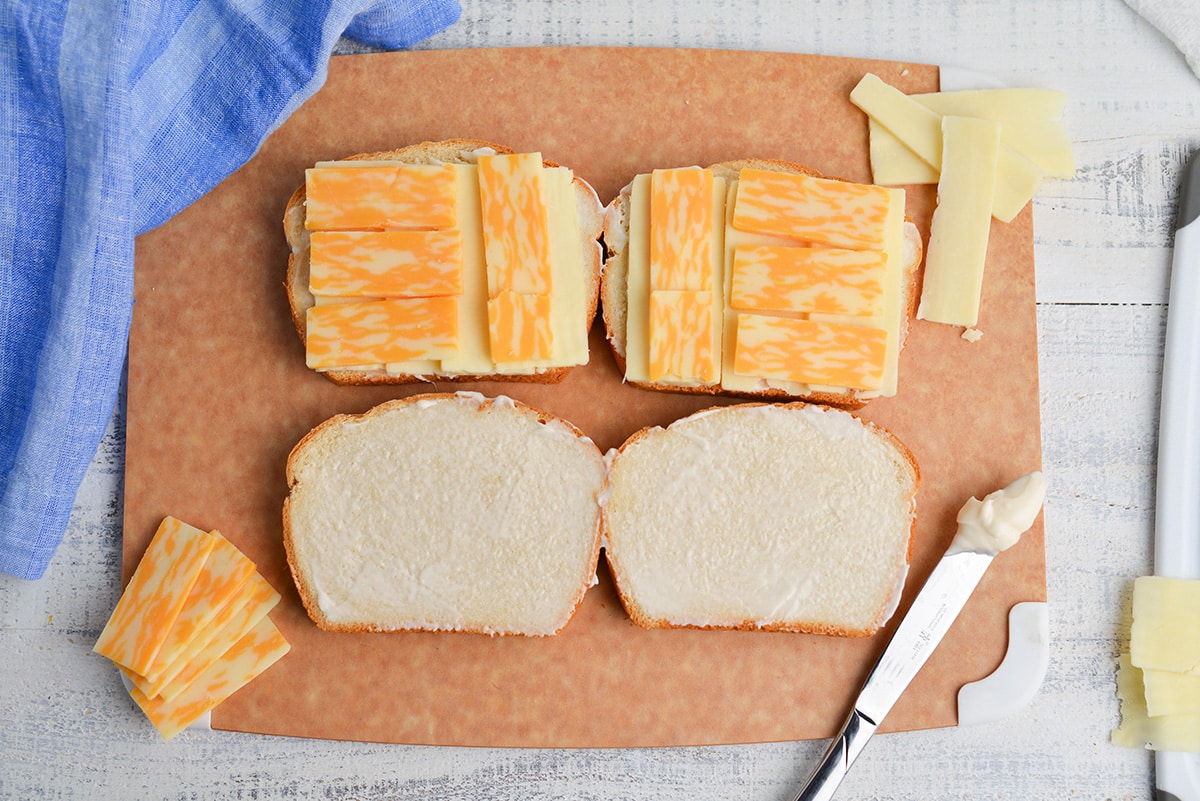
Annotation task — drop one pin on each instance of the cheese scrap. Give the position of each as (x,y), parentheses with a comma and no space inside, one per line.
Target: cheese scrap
(1165,634)
(958,239)
(519,326)
(374,332)
(408,264)
(516,232)
(379,196)
(260,648)
(684,344)
(1171,693)
(775,278)
(814,210)
(681,229)
(810,351)
(157,591)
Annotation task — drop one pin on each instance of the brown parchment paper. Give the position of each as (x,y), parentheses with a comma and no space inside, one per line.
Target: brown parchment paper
(219,394)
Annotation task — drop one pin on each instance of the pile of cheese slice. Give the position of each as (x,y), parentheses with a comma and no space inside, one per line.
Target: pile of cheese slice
(1158,681)
(773,280)
(987,150)
(191,627)
(451,269)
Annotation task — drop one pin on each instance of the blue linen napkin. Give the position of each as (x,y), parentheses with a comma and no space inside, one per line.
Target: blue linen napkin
(114,116)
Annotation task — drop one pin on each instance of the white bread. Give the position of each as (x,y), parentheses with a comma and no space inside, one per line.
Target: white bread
(616,270)
(444,512)
(451,151)
(783,517)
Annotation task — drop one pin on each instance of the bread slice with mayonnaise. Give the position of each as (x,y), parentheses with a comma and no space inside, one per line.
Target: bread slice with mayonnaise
(778,517)
(575,220)
(623,318)
(444,512)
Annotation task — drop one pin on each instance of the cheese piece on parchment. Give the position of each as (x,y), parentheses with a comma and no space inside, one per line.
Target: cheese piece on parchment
(157,591)
(958,236)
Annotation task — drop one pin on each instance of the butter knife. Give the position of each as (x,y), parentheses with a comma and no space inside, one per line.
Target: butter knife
(985,528)
(1177,516)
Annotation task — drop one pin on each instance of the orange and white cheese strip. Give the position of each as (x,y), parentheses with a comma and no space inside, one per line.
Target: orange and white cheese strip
(772,278)
(375,332)
(223,575)
(345,196)
(157,591)
(260,648)
(815,210)
(516,230)
(683,344)
(519,327)
(681,229)
(810,352)
(410,264)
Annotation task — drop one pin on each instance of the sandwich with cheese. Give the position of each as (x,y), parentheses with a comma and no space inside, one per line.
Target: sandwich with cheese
(779,517)
(444,512)
(458,260)
(759,279)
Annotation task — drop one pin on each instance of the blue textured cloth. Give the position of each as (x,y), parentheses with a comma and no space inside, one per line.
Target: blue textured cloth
(114,116)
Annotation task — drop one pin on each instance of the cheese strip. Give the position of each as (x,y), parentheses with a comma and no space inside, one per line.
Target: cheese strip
(157,591)
(515,225)
(252,605)
(410,264)
(373,332)
(1165,634)
(519,326)
(919,128)
(681,229)
(810,351)
(262,647)
(1138,730)
(814,210)
(961,223)
(379,196)
(223,575)
(1170,693)
(801,279)
(684,343)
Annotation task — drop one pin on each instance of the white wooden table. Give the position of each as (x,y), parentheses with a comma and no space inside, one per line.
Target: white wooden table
(1103,240)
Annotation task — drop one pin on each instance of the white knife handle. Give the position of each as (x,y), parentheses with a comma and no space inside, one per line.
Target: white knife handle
(1177,517)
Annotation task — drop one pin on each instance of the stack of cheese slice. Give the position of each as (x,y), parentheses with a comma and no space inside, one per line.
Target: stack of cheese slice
(758,278)
(1159,679)
(443,269)
(191,627)
(987,151)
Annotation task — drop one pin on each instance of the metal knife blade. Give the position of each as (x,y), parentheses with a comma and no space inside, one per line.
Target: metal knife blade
(923,627)
(1177,516)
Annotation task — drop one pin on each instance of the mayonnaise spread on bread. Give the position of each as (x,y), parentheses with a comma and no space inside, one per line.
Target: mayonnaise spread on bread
(998,521)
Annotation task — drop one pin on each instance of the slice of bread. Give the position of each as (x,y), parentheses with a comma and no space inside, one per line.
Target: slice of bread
(444,512)
(614,305)
(782,517)
(590,215)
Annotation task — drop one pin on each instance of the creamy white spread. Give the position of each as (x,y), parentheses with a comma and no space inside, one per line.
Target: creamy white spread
(998,521)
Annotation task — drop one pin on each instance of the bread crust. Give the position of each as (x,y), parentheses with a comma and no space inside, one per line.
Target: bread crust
(454,151)
(643,619)
(612,289)
(482,403)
